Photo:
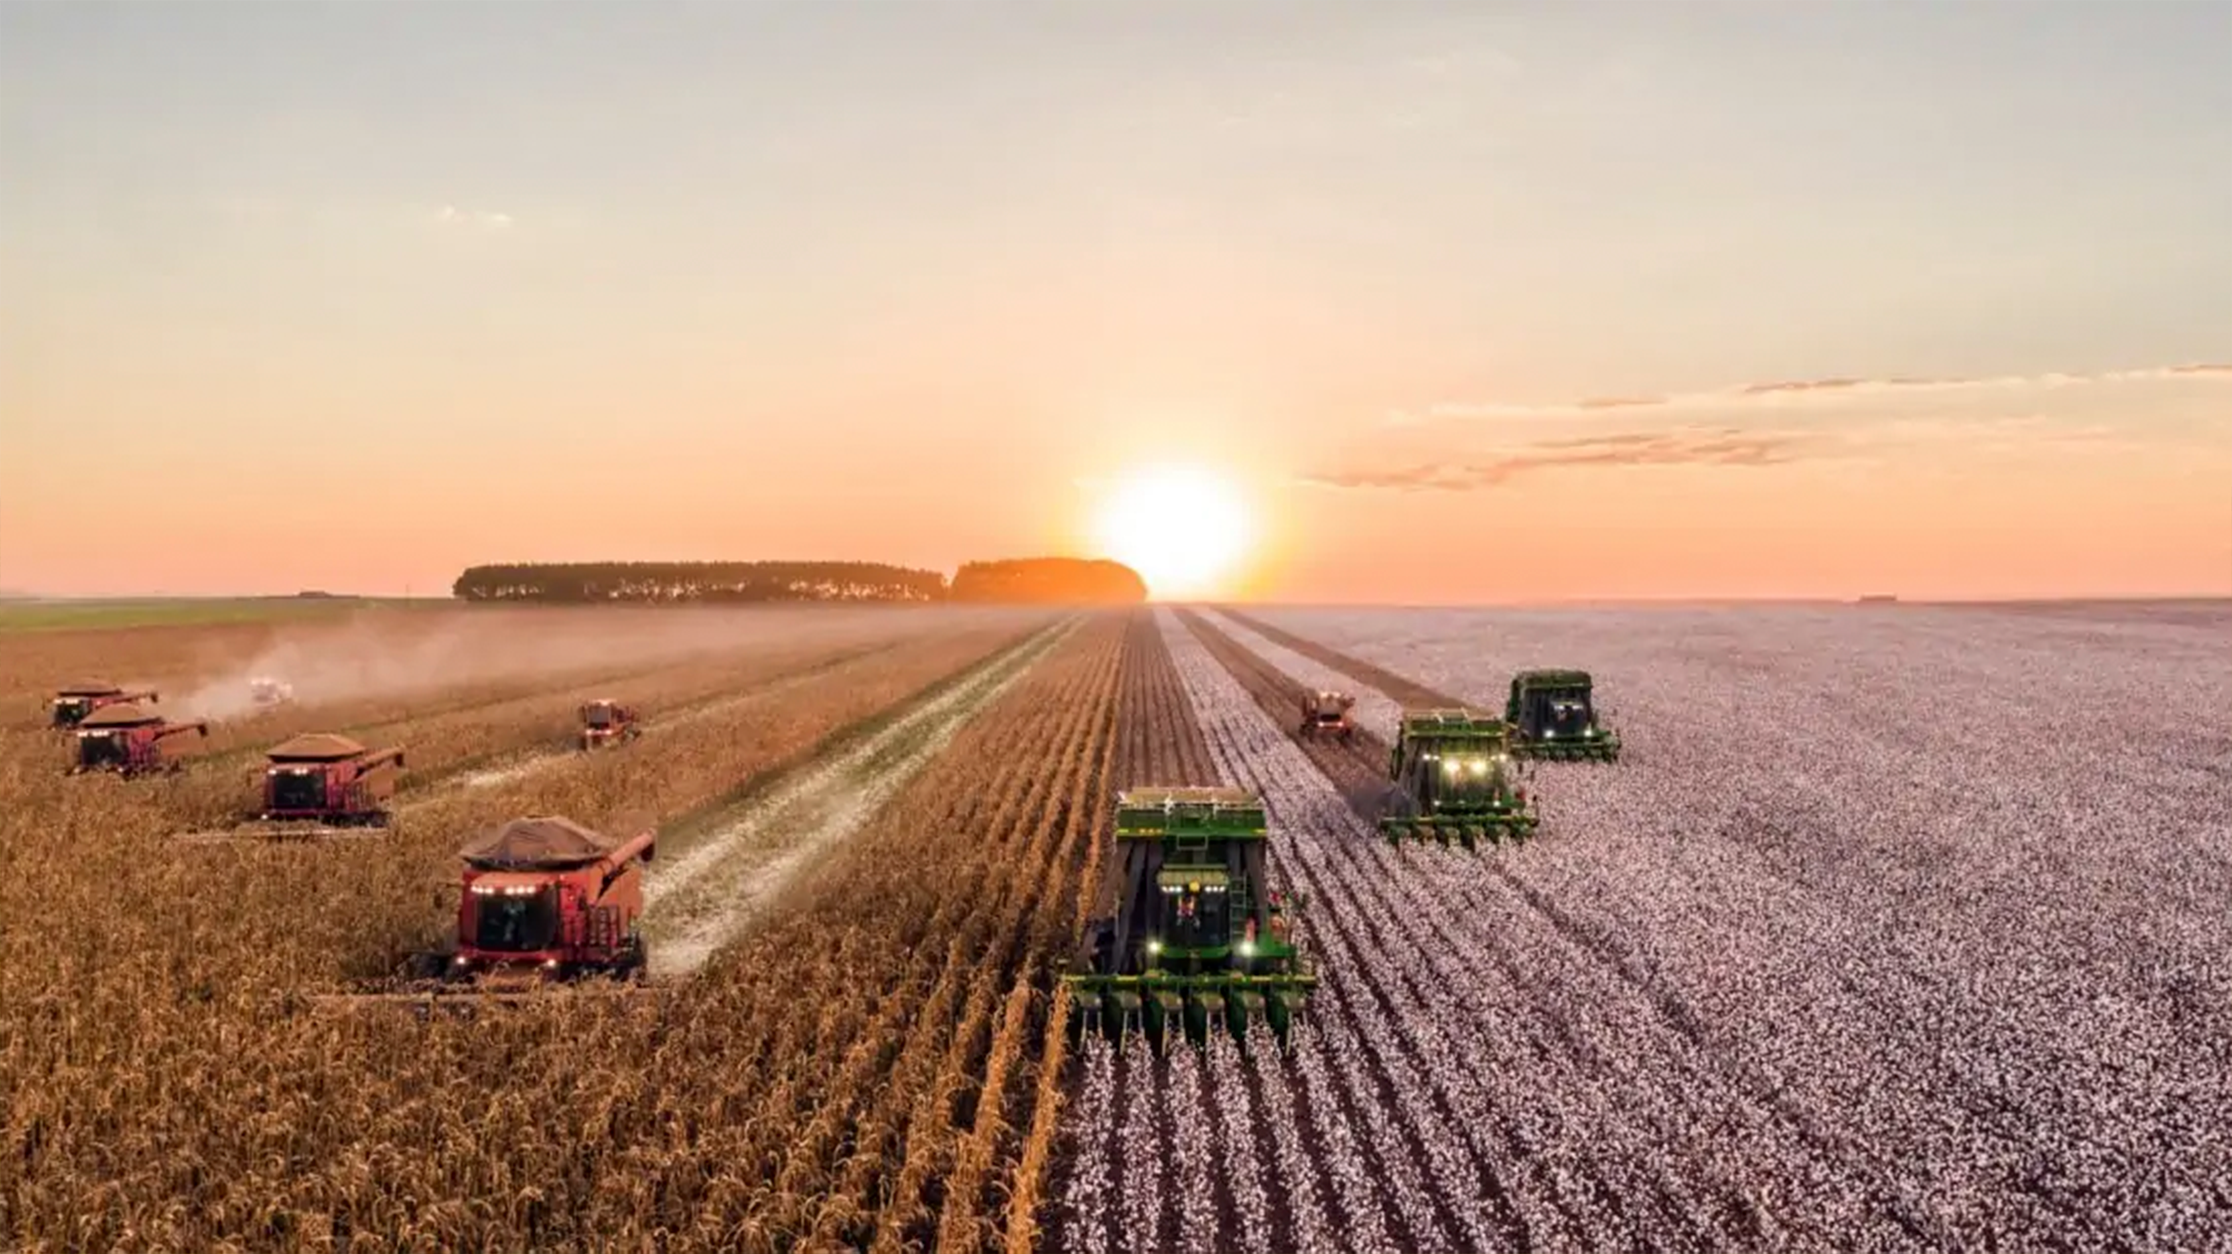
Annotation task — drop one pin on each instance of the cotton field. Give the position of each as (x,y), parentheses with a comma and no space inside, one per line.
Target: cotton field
(1899,930)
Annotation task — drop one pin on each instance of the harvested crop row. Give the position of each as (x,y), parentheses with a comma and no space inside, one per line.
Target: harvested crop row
(510,735)
(1933,990)
(146,1042)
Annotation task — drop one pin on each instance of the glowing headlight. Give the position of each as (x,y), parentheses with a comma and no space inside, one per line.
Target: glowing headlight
(1154,946)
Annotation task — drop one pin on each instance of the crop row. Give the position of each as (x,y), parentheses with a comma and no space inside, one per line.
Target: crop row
(1894,960)
(860,1069)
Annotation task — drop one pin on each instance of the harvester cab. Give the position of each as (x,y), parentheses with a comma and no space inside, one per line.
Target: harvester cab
(1327,714)
(72,704)
(545,901)
(1552,716)
(1454,779)
(606,722)
(265,691)
(1197,941)
(127,740)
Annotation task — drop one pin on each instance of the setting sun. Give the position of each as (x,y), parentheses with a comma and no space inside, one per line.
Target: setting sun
(1183,528)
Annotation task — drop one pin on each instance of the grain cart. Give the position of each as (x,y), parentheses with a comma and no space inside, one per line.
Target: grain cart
(1551,717)
(1197,941)
(545,902)
(128,741)
(1327,714)
(73,702)
(607,722)
(1454,780)
(319,786)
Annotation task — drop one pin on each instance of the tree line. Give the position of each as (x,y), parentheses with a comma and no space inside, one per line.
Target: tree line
(1034,580)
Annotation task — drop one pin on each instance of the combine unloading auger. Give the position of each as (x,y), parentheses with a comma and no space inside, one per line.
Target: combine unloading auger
(1454,781)
(1553,717)
(318,786)
(546,905)
(1198,942)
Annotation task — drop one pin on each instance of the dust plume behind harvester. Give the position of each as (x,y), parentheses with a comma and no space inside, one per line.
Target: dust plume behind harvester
(605,722)
(544,903)
(1327,714)
(127,740)
(266,692)
(73,703)
(1198,942)
(1553,716)
(1454,781)
(319,786)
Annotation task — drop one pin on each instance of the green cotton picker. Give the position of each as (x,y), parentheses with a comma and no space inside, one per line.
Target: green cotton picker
(1552,718)
(1455,781)
(1196,942)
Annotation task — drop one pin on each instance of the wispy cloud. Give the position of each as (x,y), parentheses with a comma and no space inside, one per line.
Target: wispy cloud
(483,219)
(1798,392)
(1691,446)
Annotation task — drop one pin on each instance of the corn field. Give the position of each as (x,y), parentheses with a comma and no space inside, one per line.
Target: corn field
(1887,932)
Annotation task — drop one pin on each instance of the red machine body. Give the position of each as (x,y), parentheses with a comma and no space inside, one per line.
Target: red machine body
(127,740)
(1327,714)
(74,703)
(546,899)
(324,778)
(607,722)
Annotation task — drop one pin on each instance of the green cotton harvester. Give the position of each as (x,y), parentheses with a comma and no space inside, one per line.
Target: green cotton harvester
(1553,718)
(1454,781)
(1197,939)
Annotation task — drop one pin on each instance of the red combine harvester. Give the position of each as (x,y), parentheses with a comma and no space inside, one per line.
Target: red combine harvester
(545,902)
(1327,714)
(319,786)
(607,722)
(72,703)
(128,741)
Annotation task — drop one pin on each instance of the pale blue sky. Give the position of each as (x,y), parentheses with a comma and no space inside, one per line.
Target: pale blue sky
(833,225)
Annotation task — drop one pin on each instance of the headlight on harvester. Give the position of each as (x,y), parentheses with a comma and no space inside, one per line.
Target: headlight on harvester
(1154,946)
(1247,949)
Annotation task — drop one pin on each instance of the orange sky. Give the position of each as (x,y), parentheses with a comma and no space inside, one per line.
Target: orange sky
(297,299)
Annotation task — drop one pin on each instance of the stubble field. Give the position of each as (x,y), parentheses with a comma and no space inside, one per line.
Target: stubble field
(1893,929)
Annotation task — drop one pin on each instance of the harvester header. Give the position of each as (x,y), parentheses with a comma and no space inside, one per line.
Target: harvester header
(1197,942)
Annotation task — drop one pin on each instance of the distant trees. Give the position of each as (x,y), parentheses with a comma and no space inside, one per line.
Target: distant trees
(698,581)
(1037,580)
(1049,580)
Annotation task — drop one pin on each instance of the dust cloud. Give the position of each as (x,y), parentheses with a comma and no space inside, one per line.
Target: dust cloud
(401,654)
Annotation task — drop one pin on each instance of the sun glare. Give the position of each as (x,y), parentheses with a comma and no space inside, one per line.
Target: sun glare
(1183,528)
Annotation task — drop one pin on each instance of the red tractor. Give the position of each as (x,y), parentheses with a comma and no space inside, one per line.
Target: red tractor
(1327,714)
(545,901)
(72,703)
(606,722)
(128,741)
